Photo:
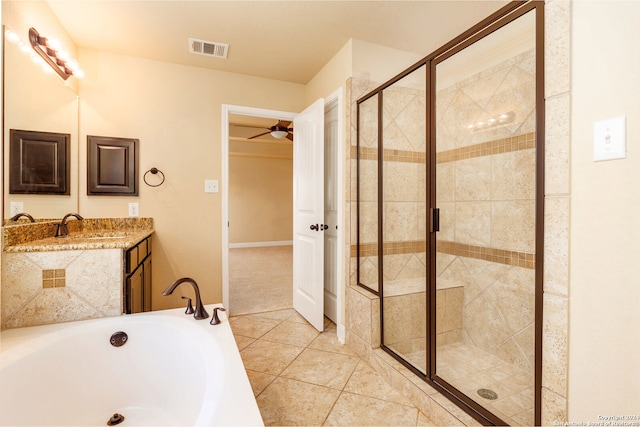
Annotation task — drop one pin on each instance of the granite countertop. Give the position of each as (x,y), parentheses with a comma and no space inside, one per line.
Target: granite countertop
(82,240)
(102,233)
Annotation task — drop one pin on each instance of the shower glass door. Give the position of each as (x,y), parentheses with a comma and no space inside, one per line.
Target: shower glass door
(368,194)
(486,169)
(403,231)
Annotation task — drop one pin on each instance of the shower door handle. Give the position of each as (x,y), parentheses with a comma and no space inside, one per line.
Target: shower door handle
(435,220)
(314,227)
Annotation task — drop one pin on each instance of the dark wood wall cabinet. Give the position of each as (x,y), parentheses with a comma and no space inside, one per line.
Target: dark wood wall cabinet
(39,162)
(112,166)
(137,282)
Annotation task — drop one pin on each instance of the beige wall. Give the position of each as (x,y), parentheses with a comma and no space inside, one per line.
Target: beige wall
(260,199)
(378,63)
(175,111)
(604,311)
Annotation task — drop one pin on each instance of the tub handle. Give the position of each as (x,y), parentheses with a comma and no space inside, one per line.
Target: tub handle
(189,309)
(215,320)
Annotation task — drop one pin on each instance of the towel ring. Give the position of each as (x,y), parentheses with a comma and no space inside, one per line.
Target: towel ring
(153,171)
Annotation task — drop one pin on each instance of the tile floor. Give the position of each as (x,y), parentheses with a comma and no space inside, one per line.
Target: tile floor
(303,377)
(469,368)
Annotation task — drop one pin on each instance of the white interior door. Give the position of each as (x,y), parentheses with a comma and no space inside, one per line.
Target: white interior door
(308,214)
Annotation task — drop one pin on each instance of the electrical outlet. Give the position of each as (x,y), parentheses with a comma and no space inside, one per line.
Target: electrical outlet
(210,185)
(134,209)
(15,208)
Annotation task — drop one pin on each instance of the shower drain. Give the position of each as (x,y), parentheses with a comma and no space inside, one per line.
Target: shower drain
(488,394)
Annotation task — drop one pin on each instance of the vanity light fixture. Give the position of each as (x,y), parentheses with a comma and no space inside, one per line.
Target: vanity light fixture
(50,51)
(493,122)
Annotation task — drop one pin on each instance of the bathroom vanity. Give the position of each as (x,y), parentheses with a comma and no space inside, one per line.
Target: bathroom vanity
(102,268)
(137,277)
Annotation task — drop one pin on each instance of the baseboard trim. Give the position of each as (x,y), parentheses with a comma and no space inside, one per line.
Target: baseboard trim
(260,244)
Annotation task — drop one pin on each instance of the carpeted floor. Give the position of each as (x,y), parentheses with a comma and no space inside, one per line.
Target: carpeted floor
(260,279)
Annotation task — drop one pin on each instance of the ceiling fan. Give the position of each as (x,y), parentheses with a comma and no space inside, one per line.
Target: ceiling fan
(279,130)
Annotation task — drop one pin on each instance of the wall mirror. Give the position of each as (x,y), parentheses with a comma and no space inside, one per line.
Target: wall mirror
(41,102)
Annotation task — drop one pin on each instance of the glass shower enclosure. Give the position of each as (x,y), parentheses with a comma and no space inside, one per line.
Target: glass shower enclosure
(450,174)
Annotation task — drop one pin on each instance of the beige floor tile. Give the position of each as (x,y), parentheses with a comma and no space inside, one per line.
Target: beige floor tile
(251,327)
(259,381)
(366,382)
(288,402)
(297,317)
(292,333)
(279,315)
(242,342)
(269,357)
(424,421)
(328,341)
(322,368)
(356,410)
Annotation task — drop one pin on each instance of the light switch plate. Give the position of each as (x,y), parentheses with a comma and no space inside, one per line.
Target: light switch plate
(210,185)
(609,139)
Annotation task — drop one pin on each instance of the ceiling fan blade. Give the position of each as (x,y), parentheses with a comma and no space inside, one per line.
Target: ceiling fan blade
(290,136)
(255,136)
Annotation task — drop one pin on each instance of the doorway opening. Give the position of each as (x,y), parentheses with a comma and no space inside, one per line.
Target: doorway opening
(260,196)
(278,261)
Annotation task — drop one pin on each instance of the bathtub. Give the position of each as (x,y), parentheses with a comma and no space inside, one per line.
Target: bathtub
(172,370)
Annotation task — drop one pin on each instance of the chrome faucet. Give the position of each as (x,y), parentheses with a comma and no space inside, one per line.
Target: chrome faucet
(200,312)
(62,230)
(17,217)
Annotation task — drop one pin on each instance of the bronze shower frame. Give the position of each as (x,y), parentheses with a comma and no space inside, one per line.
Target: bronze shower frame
(492,23)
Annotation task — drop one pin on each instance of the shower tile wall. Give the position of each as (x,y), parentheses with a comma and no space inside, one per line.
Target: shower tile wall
(486,195)
(92,286)
(404,174)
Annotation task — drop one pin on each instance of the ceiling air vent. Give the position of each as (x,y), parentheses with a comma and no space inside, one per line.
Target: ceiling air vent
(203,47)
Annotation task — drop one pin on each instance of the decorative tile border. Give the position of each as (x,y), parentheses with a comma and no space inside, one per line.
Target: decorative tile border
(401,156)
(514,258)
(505,145)
(405,156)
(517,259)
(366,153)
(390,248)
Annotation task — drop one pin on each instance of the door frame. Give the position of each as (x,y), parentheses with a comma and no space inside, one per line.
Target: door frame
(228,109)
(337,99)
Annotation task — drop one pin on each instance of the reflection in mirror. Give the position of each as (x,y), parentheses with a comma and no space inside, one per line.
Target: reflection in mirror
(37,101)
(486,193)
(368,193)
